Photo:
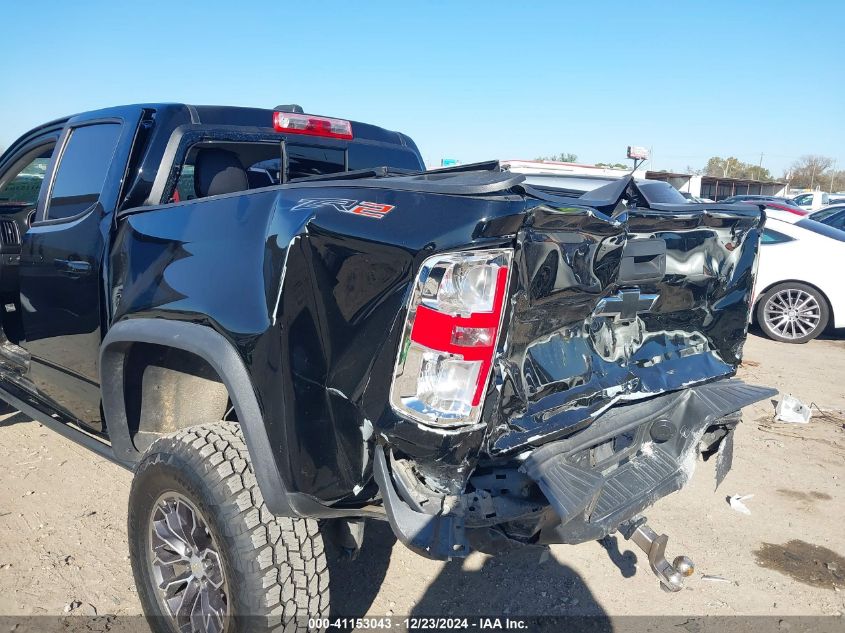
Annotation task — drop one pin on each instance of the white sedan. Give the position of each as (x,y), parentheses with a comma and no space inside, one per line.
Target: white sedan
(800,285)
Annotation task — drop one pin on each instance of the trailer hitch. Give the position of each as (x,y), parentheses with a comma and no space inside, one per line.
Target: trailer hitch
(672,575)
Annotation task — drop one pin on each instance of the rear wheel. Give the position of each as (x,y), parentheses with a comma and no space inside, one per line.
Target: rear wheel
(792,312)
(207,554)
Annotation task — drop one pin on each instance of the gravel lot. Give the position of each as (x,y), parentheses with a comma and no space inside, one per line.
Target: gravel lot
(63,513)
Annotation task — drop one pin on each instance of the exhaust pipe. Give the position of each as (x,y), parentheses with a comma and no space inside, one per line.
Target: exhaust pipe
(672,575)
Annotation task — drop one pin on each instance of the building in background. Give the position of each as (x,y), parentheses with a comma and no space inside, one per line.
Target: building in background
(719,188)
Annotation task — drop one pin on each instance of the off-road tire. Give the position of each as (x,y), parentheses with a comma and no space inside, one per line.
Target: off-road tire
(275,568)
(773,299)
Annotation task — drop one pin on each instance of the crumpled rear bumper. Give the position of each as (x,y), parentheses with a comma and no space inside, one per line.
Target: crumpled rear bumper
(592,500)
(572,490)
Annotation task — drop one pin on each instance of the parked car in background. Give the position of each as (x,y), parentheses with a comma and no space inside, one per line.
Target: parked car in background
(812,200)
(757,198)
(832,215)
(779,206)
(798,293)
(566,184)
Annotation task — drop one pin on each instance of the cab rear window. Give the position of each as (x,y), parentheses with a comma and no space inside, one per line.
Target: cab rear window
(305,161)
(262,161)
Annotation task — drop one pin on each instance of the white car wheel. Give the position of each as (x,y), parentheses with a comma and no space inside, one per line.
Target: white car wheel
(792,312)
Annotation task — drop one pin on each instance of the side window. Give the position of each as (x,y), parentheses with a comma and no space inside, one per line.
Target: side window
(821,229)
(839,221)
(82,170)
(185,185)
(21,186)
(773,237)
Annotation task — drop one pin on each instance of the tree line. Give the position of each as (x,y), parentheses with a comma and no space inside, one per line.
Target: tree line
(811,171)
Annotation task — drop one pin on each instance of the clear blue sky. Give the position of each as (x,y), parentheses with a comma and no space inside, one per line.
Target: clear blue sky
(466,80)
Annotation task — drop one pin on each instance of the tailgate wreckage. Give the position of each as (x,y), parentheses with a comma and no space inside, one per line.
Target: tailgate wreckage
(625,453)
(592,484)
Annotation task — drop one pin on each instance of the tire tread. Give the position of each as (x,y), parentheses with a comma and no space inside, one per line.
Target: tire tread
(279,562)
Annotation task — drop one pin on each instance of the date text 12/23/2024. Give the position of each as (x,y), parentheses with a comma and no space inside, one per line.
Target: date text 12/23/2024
(388,623)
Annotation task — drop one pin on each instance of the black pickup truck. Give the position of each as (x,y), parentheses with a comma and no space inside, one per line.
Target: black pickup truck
(284,326)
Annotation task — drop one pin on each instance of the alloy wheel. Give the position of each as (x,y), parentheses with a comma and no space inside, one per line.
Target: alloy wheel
(792,313)
(186,567)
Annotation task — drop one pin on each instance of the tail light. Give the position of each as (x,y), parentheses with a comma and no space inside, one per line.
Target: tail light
(450,336)
(293,123)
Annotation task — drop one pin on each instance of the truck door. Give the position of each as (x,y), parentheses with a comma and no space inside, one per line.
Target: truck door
(22,177)
(61,276)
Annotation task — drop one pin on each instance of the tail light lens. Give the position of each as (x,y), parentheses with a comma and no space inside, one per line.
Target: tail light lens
(450,337)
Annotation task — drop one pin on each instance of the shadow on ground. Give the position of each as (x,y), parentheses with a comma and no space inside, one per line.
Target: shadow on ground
(827,335)
(13,417)
(524,583)
(356,583)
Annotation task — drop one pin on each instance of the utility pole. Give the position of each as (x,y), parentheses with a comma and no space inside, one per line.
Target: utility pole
(760,168)
(832,174)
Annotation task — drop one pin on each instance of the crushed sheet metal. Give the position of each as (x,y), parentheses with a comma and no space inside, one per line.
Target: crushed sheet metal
(724,458)
(282,279)
(565,362)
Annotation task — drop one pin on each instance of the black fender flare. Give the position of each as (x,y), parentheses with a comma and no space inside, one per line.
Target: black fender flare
(222,356)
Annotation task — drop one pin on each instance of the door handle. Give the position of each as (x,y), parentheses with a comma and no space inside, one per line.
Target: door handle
(73,266)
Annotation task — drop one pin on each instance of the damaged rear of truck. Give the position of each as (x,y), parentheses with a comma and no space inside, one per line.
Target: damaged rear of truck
(483,364)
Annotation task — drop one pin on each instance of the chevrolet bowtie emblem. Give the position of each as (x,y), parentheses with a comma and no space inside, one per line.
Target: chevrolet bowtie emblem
(626,305)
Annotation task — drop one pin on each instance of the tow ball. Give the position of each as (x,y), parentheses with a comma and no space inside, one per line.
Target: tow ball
(672,575)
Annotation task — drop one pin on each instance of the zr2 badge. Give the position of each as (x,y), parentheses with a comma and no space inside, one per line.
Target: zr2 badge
(358,207)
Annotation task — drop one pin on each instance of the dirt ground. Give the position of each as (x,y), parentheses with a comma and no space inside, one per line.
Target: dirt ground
(63,533)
